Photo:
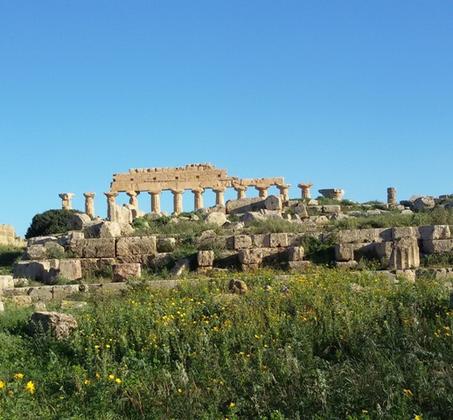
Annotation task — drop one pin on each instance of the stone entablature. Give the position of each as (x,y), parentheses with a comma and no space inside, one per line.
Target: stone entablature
(195,177)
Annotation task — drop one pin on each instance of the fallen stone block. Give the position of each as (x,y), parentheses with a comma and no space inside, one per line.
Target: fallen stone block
(296,253)
(252,256)
(6,282)
(205,258)
(344,252)
(276,240)
(166,244)
(405,254)
(59,325)
(93,248)
(299,265)
(124,272)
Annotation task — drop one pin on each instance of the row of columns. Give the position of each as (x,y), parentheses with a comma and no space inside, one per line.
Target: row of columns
(66,198)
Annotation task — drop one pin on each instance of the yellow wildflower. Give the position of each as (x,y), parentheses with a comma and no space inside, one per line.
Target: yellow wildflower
(112,377)
(30,387)
(118,381)
(232,405)
(19,376)
(418,417)
(2,384)
(86,382)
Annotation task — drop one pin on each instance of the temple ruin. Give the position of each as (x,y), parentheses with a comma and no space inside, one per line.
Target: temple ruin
(195,178)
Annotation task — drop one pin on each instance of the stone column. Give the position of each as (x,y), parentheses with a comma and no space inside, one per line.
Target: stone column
(284,191)
(155,202)
(198,198)
(338,194)
(177,201)
(305,191)
(220,197)
(66,200)
(89,204)
(133,200)
(262,191)
(241,192)
(391,196)
(111,196)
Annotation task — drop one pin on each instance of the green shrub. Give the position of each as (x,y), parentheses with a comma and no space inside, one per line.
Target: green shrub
(8,256)
(50,222)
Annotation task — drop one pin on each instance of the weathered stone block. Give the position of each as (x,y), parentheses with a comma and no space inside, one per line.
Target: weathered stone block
(61,292)
(138,245)
(242,242)
(404,232)
(299,265)
(276,240)
(383,250)
(296,253)
(21,300)
(347,264)
(439,246)
(252,256)
(36,252)
(95,266)
(93,248)
(435,232)
(44,293)
(258,241)
(124,272)
(405,254)
(70,269)
(6,282)
(166,244)
(59,325)
(205,258)
(103,229)
(344,252)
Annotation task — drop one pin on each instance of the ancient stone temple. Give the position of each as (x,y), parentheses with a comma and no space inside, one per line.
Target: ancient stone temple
(195,178)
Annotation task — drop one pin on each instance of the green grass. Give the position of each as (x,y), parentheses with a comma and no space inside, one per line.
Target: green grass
(8,256)
(326,345)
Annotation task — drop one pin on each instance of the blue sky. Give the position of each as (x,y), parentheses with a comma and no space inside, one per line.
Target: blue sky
(353,94)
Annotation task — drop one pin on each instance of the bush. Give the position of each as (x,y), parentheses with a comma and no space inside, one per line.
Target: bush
(50,222)
(8,256)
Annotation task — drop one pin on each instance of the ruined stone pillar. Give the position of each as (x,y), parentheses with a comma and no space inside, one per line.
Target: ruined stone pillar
(219,197)
(241,192)
(177,201)
(155,202)
(338,194)
(198,198)
(133,200)
(66,200)
(305,191)
(262,191)
(89,204)
(111,196)
(391,196)
(284,191)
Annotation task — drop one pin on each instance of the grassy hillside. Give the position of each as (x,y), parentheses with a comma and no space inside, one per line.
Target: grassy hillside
(328,344)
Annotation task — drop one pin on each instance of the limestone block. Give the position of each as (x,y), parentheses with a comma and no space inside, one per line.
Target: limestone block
(245,205)
(296,253)
(216,218)
(360,236)
(405,254)
(299,265)
(138,245)
(238,287)
(41,240)
(70,269)
(103,229)
(159,261)
(205,258)
(252,256)
(21,301)
(439,246)
(276,240)
(331,209)
(124,272)
(61,292)
(78,221)
(242,242)
(34,270)
(95,266)
(429,233)
(273,203)
(301,211)
(44,293)
(423,203)
(59,325)
(36,252)
(182,266)
(259,241)
(404,232)
(344,252)
(111,289)
(94,248)
(166,244)
(6,282)
(54,250)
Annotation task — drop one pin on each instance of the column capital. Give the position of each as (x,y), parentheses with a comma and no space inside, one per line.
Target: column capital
(177,191)
(305,185)
(132,193)
(154,192)
(198,190)
(89,194)
(283,186)
(111,194)
(66,196)
(219,189)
